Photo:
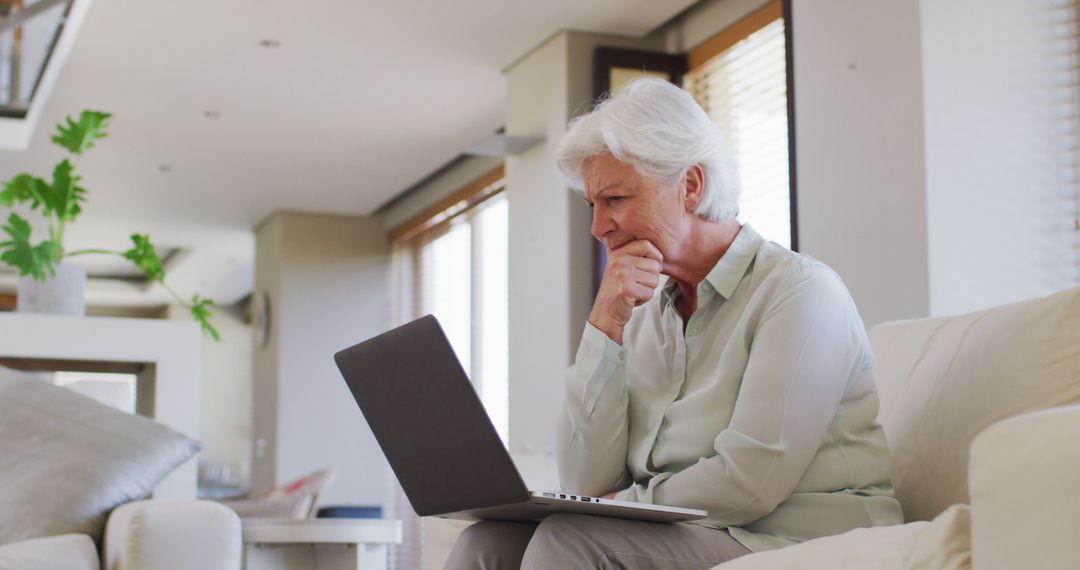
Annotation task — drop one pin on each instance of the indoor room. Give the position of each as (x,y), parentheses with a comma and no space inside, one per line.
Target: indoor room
(208,208)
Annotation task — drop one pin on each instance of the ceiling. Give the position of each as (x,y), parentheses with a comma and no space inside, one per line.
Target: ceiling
(213,131)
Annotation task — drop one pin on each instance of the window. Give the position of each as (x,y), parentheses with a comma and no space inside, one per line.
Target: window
(452,262)
(740,78)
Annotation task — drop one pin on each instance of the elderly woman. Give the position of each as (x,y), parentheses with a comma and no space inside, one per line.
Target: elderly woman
(742,384)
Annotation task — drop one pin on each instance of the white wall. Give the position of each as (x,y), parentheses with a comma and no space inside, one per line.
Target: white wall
(859,146)
(225,400)
(539,250)
(264,359)
(1000,227)
(328,280)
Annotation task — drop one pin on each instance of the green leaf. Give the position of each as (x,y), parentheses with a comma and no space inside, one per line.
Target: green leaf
(65,194)
(62,197)
(50,253)
(20,254)
(77,137)
(145,257)
(200,310)
(24,188)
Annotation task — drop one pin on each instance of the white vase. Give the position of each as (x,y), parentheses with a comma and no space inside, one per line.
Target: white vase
(64,294)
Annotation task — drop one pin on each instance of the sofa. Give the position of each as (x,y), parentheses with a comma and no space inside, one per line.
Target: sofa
(982,415)
(75,474)
(155,535)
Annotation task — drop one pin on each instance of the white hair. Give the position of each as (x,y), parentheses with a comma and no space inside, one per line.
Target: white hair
(662,132)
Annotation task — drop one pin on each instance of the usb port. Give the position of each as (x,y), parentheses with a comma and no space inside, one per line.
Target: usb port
(549,495)
(573,497)
(586,499)
(562,496)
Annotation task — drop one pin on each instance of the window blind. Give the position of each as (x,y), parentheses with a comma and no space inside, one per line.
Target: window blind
(1000,88)
(458,271)
(744,90)
(1064,17)
(453,262)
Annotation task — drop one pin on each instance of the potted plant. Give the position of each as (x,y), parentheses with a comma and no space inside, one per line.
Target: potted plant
(60,202)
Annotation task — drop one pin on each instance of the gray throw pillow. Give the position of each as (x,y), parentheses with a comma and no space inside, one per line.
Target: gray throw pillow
(66,460)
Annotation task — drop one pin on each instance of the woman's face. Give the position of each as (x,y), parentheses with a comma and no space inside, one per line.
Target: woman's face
(628,206)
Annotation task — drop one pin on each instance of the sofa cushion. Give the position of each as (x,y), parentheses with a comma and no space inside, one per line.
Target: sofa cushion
(67,460)
(1025,511)
(65,552)
(943,380)
(942,544)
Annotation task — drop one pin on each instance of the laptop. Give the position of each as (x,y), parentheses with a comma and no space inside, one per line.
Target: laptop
(440,442)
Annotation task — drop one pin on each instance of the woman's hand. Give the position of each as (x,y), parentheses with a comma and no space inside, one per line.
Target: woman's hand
(631,276)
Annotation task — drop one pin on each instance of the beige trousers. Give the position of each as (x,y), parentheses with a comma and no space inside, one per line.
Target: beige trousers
(571,542)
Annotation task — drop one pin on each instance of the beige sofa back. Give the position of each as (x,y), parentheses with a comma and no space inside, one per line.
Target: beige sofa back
(944,380)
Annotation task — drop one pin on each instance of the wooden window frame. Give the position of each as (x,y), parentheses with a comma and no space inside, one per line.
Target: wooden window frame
(448,209)
(606,58)
(700,54)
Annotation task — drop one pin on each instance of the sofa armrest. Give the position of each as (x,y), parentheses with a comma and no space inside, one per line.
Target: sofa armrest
(1025,508)
(440,535)
(62,552)
(172,535)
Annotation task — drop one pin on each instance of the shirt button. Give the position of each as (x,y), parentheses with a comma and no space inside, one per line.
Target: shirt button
(692,332)
(622,356)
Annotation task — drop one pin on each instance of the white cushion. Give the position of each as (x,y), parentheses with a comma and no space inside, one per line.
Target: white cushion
(942,544)
(944,380)
(1025,506)
(64,552)
(173,535)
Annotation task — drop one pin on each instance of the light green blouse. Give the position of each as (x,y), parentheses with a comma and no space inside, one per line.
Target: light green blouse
(762,412)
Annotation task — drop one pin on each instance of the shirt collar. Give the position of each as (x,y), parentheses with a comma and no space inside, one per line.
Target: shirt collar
(728,271)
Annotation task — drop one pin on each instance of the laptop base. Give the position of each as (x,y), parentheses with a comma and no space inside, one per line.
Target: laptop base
(542,504)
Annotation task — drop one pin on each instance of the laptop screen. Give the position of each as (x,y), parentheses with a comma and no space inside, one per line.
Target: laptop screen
(429,421)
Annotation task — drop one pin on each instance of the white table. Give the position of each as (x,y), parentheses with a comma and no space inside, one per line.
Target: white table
(319,544)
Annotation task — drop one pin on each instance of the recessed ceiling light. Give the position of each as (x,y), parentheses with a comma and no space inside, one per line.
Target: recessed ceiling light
(269,43)
(212,114)
(164,168)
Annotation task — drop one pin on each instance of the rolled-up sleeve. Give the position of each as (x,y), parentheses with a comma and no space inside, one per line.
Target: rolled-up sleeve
(805,349)
(591,438)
